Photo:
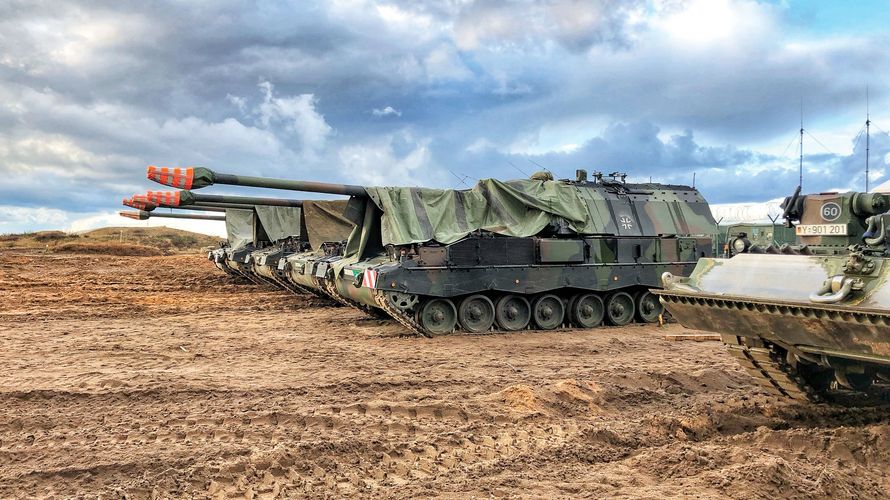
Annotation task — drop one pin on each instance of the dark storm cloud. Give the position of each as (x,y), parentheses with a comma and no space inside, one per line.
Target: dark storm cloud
(92,91)
(724,174)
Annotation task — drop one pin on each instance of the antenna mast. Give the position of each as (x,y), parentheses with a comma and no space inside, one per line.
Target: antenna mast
(800,167)
(867,125)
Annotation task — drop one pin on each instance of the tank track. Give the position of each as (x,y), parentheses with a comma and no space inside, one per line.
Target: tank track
(321,293)
(256,280)
(291,287)
(262,280)
(397,314)
(772,372)
(410,322)
(809,311)
(331,290)
(285,284)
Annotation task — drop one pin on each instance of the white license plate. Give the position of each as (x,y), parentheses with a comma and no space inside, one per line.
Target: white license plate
(821,230)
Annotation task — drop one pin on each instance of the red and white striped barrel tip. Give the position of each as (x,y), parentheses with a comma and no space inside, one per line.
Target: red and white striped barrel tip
(163,198)
(178,177)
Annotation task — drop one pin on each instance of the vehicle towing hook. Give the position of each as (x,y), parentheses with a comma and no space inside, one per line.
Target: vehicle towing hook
(835,289)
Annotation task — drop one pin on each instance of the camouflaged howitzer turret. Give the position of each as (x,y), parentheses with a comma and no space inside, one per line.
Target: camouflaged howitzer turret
(288,235)
(153,200)
(260,231)
(505,255)
(810,321)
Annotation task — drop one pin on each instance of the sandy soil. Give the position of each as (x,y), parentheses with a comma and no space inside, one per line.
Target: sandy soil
(158,377)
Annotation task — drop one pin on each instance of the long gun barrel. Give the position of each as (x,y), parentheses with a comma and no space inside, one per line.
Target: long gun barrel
(198,177)
(143,215)
(184,198)
(141,203)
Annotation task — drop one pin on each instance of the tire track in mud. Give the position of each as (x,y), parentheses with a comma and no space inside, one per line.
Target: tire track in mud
(413,442)
(201,389)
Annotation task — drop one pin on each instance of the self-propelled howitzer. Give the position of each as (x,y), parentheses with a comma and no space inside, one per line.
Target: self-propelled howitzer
(289,236)
(813,321)
(151,201)
(508,255)
(273,226)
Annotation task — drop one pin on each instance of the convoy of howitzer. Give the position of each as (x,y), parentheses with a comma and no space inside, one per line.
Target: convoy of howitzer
(804,305)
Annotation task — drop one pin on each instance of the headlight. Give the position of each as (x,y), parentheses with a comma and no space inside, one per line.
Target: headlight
(739,245)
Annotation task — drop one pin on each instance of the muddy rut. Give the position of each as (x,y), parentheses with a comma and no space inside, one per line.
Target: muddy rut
(157,377)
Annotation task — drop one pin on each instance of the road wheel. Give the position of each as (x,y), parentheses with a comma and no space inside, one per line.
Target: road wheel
(648,307)
(587,310)
(438,316)
(548,311)
(512,312)
(476,314)
(620,308)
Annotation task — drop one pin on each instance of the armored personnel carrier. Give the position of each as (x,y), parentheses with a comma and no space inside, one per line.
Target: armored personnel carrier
(812,320)
(505,255)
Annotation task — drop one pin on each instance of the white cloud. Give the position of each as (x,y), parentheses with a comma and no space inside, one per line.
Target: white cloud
(376,163)
(19,219)
(298,115)
(480,145)
(387,111)
(92,92)
(576,24)
(239,102)
(706,22)
(443,63)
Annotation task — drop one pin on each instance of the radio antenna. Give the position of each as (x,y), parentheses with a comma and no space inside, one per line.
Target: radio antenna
(800,167)
(867,125)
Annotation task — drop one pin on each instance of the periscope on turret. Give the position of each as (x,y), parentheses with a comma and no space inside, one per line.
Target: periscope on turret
(504,255)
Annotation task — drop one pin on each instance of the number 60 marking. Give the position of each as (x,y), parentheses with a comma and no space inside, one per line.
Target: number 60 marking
(831,211)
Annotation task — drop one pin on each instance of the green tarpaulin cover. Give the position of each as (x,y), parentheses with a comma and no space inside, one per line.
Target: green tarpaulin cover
(279,222)
(327,221)
(525,207)
(239,227)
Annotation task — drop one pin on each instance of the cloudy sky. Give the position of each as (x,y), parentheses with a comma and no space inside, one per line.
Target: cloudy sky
(435,93)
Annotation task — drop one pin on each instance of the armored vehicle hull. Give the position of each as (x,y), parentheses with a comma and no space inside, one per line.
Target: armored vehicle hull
(309,269)
(218,257)
(811,323)
(547,278)
(484,289)
(264,263)
(794,346)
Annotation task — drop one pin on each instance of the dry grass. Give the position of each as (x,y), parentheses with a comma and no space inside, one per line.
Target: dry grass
(118,249)
(135,241)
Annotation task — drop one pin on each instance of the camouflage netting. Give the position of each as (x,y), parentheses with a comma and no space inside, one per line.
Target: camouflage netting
(279,222)
(327,221)
(239,227)
(525,207)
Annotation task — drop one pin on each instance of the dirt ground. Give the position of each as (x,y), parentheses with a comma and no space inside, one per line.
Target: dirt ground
(158,377)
